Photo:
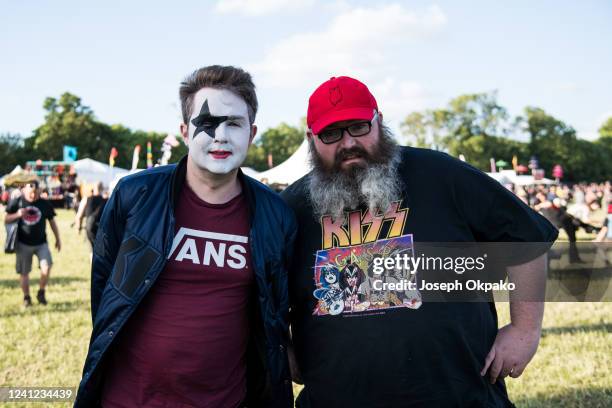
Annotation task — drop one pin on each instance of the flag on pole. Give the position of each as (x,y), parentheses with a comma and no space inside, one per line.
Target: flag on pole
(70,153)
(149,156)
(136,157)
(113,155)
(514,162)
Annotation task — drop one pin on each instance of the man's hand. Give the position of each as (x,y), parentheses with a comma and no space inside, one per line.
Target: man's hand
(58,245)
(512,350)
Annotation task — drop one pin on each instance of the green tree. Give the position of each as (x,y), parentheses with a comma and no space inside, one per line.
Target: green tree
(552,142)
(281,142)
(555,142)
(474,125)
(605,131)
(69,122)
(12,152)
(604,144)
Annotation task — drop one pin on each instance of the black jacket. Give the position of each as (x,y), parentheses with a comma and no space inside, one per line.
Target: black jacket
(139,221)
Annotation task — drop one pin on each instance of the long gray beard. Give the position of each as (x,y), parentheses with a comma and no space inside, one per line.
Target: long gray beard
(334,191)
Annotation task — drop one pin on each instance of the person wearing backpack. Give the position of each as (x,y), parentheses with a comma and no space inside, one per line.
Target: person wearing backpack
(31,211)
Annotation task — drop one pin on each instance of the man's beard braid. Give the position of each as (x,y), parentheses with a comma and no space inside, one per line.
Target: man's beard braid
(334,190)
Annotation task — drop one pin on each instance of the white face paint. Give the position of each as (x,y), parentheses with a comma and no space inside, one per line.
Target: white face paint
(225,117)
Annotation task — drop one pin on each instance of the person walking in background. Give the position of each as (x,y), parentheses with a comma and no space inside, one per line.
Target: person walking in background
(91,209)
(31,212)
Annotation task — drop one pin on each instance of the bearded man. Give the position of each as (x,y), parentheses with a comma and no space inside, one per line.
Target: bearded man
(365,198)
(189,278)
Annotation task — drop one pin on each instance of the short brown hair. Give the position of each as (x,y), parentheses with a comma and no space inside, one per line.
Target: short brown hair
(219,77)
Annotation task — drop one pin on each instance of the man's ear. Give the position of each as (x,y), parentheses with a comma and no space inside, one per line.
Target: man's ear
(309,134)
(253,133)
(184,129)
(380,116)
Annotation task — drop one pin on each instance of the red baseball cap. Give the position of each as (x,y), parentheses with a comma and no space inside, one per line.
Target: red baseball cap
(339,98)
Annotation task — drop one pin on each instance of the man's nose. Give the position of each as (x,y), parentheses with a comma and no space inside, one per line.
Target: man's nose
(221,133)
(347,140)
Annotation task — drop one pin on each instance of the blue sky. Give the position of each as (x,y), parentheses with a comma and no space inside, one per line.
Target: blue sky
(126,59)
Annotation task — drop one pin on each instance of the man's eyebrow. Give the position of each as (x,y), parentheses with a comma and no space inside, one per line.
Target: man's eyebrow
(236,117)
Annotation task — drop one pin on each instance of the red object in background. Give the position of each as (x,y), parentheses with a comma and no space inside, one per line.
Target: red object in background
(113,154)
(521,168)
(59,169)
(557,171)
(609,208)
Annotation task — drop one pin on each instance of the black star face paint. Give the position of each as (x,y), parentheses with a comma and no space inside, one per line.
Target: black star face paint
(223,117)
(207,122)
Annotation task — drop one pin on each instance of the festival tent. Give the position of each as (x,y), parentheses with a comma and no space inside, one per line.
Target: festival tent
(290,170)
(90,171)
(251,172)
(510,177)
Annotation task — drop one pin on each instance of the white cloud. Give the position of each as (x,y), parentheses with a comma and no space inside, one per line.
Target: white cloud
(359,42)
(260,7)
(397,98)
(569,86)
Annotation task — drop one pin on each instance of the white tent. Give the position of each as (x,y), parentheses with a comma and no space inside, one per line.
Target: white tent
(91,171)
(291,169)
(510,176)
(251,172)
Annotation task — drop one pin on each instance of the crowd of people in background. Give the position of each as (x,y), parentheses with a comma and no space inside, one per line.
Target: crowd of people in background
(586,206)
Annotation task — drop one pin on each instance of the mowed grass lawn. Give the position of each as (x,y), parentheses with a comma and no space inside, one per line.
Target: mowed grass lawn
(46,345)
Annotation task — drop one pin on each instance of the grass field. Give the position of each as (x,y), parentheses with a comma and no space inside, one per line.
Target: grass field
(46,345)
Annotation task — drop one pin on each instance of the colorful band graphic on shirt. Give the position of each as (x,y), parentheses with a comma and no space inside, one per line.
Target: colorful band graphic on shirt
(347,283)
(31,215)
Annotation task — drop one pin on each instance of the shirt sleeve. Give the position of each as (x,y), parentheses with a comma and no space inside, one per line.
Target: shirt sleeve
(495,214)
(12,206)
(50,213)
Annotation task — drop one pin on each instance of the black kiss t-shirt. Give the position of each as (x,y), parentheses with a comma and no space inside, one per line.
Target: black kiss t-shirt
(359,346)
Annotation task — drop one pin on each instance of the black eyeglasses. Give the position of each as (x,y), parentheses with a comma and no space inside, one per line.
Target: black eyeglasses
(358,129)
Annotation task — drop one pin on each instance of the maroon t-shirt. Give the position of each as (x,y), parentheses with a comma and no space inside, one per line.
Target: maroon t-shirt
(185,345)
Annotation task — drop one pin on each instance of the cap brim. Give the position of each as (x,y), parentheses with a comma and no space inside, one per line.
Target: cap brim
(337,116)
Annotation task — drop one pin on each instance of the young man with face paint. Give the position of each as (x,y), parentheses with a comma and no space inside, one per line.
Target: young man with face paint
(189,276)
(367,198)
